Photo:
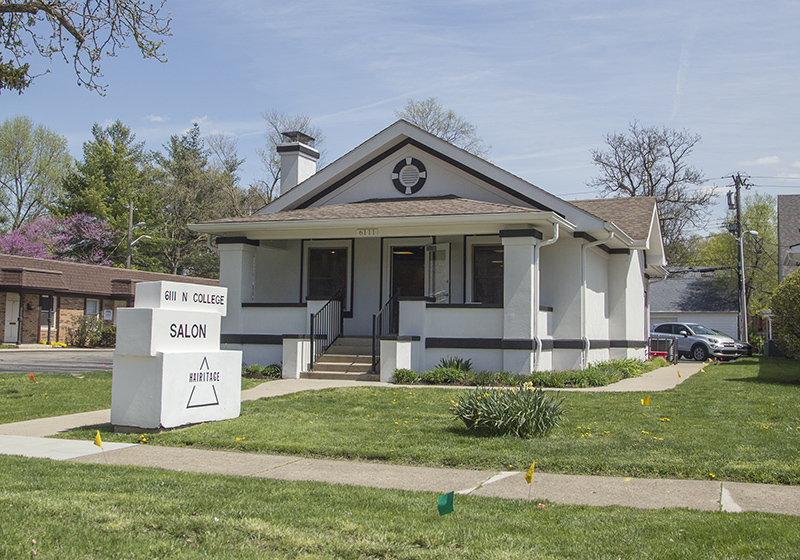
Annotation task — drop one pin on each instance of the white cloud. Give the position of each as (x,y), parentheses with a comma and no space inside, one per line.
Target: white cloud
(156,118)
(768,160)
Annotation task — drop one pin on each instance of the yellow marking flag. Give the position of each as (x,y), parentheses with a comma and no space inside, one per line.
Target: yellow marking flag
(679,375)
(97,441)
(646,401)
(529,474)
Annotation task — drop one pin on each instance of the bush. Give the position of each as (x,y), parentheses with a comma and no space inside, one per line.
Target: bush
(406,377)
(256,371)
(86,332)
(443,375)
(451,362)
(524,411)
(786,308)
(108,336)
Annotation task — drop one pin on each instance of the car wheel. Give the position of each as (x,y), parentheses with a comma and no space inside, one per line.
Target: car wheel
(699,353)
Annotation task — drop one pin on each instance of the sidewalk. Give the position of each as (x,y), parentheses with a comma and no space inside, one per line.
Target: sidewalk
(26,438)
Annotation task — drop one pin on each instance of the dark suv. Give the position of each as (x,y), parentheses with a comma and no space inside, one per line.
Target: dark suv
(698,342)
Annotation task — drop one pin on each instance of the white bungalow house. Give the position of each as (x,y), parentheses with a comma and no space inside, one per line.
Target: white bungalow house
(433,252)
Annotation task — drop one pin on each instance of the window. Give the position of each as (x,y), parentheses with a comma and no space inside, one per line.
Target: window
(487,274)
(92,307)
(327,269)
(327,272)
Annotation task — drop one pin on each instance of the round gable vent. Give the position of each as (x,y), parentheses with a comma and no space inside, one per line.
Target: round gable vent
(409,175)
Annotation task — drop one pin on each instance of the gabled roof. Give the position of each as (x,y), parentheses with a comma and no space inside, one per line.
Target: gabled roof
(633,215)
(337,196)
(28,273)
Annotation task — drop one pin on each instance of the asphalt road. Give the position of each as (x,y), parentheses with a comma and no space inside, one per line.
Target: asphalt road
(56,360)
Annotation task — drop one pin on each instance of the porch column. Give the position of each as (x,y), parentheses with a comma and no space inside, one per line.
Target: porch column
(519,301)
(237,273)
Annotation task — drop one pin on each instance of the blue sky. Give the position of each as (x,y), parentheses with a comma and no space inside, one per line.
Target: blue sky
(543,81)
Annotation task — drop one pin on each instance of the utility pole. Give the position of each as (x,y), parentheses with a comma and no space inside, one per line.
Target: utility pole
(738,184)
(130,231)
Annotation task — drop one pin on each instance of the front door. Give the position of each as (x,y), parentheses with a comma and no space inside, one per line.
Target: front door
(417,271)
(12,318)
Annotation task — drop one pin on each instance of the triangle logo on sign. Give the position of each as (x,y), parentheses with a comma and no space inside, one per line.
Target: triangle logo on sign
(203,394)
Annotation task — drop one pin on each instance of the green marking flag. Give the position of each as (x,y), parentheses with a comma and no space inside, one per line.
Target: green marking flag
(529,474)
(446,503)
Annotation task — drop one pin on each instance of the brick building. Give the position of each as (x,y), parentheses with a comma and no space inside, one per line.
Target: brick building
(41,299)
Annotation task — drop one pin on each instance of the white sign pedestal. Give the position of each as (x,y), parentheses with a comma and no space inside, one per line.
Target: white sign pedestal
(168,368)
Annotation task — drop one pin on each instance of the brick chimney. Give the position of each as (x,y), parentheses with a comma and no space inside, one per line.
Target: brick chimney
(298,159)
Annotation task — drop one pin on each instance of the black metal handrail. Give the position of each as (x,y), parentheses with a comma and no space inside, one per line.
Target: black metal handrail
(383,322)
(326,326)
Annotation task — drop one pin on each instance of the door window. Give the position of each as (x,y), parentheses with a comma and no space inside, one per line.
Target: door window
(487,274)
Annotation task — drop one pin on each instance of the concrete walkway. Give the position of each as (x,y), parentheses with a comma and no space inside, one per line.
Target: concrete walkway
(27,439)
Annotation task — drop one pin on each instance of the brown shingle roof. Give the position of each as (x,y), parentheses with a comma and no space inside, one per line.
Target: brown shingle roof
(385,208)
(27,273)
(631,214)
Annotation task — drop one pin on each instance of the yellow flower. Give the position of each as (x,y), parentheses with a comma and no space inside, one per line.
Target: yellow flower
(645,432)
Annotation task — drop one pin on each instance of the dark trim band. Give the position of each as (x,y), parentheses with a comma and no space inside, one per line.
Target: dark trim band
(535,233)
(305,150)
(233,240)
(275,339)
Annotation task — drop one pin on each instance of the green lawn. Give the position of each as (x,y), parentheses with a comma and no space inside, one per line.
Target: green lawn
(73,511)
(54,394)
(737,421)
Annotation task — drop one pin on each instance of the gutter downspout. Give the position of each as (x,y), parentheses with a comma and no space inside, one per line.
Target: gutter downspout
(536,294)
(586,344)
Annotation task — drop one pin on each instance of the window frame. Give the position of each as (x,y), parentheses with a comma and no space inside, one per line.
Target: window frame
(347,245)
(469,280)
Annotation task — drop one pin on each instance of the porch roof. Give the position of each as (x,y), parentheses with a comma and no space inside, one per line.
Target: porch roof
(385,208)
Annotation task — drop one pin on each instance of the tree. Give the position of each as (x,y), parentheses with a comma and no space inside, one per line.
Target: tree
(721,250)
(33,162)
(80,238)
(785,306)
(223,149)
(115,172)
(652,161)
(94,28)
(266,190)
(431,117)
(192,190)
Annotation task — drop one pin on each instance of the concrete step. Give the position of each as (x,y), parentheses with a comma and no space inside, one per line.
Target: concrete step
(346,358)
(342,367)
(342,376)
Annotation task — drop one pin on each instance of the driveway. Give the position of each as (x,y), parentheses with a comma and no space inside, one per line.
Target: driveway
(57,360)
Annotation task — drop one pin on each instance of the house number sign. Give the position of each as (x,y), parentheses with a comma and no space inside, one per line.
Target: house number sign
(368,232)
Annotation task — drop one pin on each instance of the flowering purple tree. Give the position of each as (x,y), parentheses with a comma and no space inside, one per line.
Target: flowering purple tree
(79,238)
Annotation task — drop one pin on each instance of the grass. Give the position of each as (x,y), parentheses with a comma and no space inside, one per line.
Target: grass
(55,394)
(69,511)
(738,421)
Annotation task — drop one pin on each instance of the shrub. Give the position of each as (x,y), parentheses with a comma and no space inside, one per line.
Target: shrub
(443,375)
(451,362)
(786,308)
(497,378)
(85,332)
(406,377)
(525,411)
(108,336)
(257,371)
